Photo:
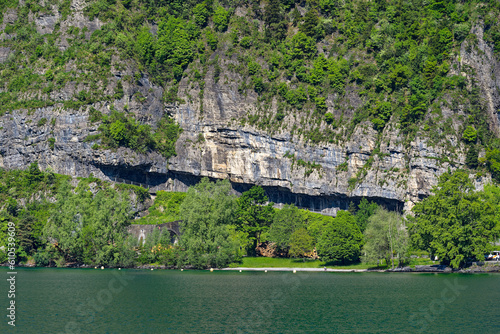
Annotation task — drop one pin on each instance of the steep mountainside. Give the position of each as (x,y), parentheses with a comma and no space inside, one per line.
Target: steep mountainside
(320,102)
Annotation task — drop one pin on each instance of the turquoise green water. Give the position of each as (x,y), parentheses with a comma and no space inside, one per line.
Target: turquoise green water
(134,301)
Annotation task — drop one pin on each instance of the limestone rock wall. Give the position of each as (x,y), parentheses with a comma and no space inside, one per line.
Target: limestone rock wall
(215,144)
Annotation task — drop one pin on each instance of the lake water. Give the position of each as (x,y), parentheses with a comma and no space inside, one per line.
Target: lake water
(135,301)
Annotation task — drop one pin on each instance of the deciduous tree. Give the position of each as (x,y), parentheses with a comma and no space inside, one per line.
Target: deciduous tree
(365,211)
(254,216)
(300,243)
(341,240)
(456,224)
(207,212)
(286,221)
(88,228)
(385,237)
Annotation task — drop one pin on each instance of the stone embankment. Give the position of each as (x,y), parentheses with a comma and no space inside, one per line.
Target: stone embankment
(475,267)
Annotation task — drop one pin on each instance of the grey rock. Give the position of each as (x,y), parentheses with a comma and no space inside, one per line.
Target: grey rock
(5,52)
(399,176)
(432,268)
(400,269)
(45,24)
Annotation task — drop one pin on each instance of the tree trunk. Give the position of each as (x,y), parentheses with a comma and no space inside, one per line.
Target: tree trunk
(390,242)
(254,248)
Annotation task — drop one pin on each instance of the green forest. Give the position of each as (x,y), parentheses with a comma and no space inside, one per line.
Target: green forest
(61,221)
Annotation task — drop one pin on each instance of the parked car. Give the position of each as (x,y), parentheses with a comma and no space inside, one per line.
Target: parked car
(493,256)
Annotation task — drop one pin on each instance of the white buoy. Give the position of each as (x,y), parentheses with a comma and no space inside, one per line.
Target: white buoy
(102,267)
(294,271)
(151,269)
(182,269)
(265,271)
(95,267)
(211,269)
(119,268)
(240,271)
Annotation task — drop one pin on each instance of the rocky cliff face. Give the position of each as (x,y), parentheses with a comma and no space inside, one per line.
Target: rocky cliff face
(214,143)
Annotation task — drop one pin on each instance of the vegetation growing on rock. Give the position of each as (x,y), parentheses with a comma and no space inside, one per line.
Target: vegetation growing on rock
(318,72)
(323,61)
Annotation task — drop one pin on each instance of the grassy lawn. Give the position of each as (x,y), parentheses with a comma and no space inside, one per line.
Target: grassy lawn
(414,262)
(268,262)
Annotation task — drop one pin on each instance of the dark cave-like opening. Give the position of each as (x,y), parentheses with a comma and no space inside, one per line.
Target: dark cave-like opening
(175,181)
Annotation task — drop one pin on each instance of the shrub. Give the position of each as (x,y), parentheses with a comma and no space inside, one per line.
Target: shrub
(311,21)
(336,78)
(320,104)
(212,40)
(493,163)
(259,85)
(471,159)
(302,46)
(119,130)
(461,31)
(94,115)
(166,136)
(221,18)
(201,14)
(329,118)
(246,42)
(253,68)
(51,142)
(119,91)
(42,122)
(470,134)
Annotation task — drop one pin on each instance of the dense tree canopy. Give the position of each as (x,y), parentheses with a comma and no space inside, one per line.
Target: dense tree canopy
(88,228)
(87,223)
(207,211)
(254,215)
(341,240)
(286,221)
(456,224)
(385,237)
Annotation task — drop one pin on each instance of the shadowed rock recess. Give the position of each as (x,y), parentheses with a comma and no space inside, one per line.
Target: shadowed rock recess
(215,143)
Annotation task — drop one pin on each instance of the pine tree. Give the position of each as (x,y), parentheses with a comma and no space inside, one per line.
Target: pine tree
(276,25)
(310,23)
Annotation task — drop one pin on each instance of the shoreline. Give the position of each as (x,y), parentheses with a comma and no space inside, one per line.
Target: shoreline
(418,269)
(303,269)
(480,268)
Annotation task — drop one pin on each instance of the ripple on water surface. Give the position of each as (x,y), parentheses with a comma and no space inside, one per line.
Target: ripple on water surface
(134,301)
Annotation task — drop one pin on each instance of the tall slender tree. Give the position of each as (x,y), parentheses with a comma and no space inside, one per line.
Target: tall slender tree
(385,237)
(254,215)
(274,19)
